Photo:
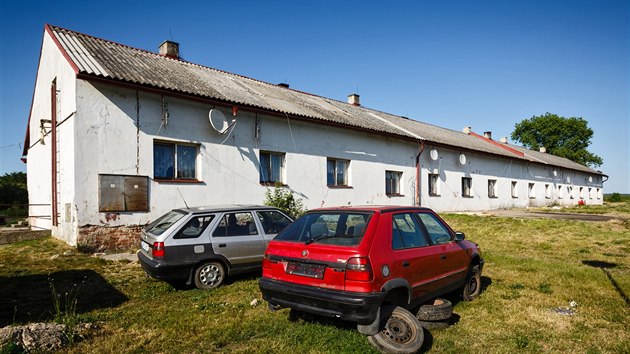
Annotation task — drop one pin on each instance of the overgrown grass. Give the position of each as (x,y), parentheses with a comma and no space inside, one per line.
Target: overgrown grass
(532,267)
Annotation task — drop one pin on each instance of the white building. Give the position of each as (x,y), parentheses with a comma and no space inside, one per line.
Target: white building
(118,136)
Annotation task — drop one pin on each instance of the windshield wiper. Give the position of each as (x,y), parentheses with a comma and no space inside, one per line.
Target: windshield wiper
(323,237)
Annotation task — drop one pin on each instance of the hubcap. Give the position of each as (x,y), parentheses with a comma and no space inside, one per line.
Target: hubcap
(398,330)
(210,275)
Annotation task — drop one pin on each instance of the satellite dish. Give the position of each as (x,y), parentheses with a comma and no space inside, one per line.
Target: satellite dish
(218,121)
(434,154)
(462,159)
(555,173)
(568,179)
(590,178)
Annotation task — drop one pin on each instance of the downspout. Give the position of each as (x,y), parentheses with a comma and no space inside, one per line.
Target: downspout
(418,189)
(53,152)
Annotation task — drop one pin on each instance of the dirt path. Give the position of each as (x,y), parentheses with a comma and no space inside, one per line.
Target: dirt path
(523,213)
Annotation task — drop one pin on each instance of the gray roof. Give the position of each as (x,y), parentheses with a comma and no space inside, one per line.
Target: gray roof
(98,58)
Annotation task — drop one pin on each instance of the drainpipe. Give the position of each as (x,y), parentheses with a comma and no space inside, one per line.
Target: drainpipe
(418,189)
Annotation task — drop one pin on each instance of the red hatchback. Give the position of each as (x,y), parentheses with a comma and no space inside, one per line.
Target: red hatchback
(369,264)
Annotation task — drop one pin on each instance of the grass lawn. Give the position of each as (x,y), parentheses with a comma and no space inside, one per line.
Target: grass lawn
(532,267)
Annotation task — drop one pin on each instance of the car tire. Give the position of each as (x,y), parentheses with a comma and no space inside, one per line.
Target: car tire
(440,310)
(400,332)
(209,275)
(473,285)
(434,324)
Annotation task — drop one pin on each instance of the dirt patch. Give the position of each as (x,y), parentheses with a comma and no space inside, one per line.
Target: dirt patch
(524,214)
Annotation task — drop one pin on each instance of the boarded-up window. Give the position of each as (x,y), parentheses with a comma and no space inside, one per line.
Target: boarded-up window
(123,193)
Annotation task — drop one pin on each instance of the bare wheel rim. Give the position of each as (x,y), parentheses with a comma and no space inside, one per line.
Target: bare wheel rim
(472,284)
(210,274)
(399,331)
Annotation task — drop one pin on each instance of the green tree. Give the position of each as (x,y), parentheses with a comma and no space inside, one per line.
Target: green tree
(564,137)
(284,200)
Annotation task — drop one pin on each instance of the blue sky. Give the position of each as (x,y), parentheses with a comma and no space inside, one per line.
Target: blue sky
(485,64)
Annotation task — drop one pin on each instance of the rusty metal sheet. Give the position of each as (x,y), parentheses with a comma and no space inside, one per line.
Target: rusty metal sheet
(123,193)
(136,194)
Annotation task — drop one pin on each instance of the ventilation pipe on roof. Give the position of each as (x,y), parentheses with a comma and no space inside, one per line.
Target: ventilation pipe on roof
(283,84)
(169,49)
(467,130)
(543,149)
(504,140)
(487,135)
(353,99)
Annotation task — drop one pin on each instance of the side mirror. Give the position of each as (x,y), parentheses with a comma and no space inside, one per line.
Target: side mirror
(459,236)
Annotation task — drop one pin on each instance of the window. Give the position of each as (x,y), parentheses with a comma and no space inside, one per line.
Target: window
(406,232)
(271,167)
(514,189)
(581,193)
(492,188)
(195,227)
(559,192)
(434,185)
(438,233)
(590,193)
(337,172)
(392,182)
(531,191)
(174,161)
(599,193)
(570,192)
(236,224)
(547,191)
(272,221)
(466,187)
(330,228)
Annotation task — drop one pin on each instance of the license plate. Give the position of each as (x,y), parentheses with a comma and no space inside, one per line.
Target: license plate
(306,269)
(145,246)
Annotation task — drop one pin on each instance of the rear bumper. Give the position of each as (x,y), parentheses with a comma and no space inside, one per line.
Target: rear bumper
(161,270)
(350,306)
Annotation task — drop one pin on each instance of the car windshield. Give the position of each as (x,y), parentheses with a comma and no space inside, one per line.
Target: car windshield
(330,227)
(165,221)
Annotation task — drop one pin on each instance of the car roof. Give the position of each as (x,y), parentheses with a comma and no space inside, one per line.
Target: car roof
(225,208)
(379,208)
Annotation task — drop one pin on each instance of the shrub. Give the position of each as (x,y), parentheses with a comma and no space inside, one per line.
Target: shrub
(615,198)
(284,200)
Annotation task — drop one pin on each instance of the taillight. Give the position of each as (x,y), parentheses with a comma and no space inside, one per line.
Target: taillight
(358,268)
(158,249)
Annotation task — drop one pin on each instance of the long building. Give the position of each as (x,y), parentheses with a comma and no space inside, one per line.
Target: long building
(117,136)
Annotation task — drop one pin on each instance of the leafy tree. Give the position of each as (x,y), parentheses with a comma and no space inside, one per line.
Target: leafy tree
(284,200)
(13,189)
(565,137)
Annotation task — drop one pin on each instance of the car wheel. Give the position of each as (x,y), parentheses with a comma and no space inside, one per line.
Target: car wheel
(434,324)
(209,275)
(473,285)
(441,309)
(400,332)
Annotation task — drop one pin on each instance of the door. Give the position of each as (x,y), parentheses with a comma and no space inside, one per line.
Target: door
(237,238)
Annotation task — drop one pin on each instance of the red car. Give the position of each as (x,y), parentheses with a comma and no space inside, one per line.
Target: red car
(370,265)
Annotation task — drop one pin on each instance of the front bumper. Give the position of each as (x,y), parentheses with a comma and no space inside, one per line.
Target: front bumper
(164,271)
(361,308)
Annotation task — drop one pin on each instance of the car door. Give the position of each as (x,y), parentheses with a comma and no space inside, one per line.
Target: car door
(237,238)
(414,260)
(271,222)
(451,256)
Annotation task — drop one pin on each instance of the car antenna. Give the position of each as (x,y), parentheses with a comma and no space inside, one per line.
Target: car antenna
(180,194)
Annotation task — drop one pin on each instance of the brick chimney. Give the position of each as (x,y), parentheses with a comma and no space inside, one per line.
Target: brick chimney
(353,99)
(170,49)
(504,140)
(487,135)
(542,149)
(467,130)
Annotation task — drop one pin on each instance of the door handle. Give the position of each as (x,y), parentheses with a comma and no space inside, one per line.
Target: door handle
(443,256)
(222,245)
(405,263)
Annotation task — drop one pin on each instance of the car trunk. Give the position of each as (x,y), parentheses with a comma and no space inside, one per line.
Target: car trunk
(314,264)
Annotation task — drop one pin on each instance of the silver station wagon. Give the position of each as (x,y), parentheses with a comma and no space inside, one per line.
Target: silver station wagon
(205,244)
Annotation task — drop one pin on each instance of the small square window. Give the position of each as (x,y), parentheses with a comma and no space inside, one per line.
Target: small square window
(531,190)
(434,184)
(392,182)
(174,161)
(271,167)
(466,187)
(547,191)
(590,193)
(570,192)
(492,188)
(337,172)
(514,189)
(559,192)
(581,195)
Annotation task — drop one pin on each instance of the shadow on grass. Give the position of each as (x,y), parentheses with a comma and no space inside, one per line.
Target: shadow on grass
(29,298)
(604,266)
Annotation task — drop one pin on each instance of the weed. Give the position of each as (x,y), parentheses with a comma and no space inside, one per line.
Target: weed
(544,288)
(65,309)
(521,341)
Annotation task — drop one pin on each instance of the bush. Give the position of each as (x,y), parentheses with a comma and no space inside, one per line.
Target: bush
(284,200)
(615,198)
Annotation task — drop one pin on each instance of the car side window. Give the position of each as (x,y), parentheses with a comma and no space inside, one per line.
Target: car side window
(236,224)
(437,231)
(406,232)
(195,227)
(272,221)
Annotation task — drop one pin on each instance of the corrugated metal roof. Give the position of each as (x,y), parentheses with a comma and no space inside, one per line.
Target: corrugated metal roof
(104,59)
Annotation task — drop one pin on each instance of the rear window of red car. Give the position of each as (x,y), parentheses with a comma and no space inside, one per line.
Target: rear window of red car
(338,228)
